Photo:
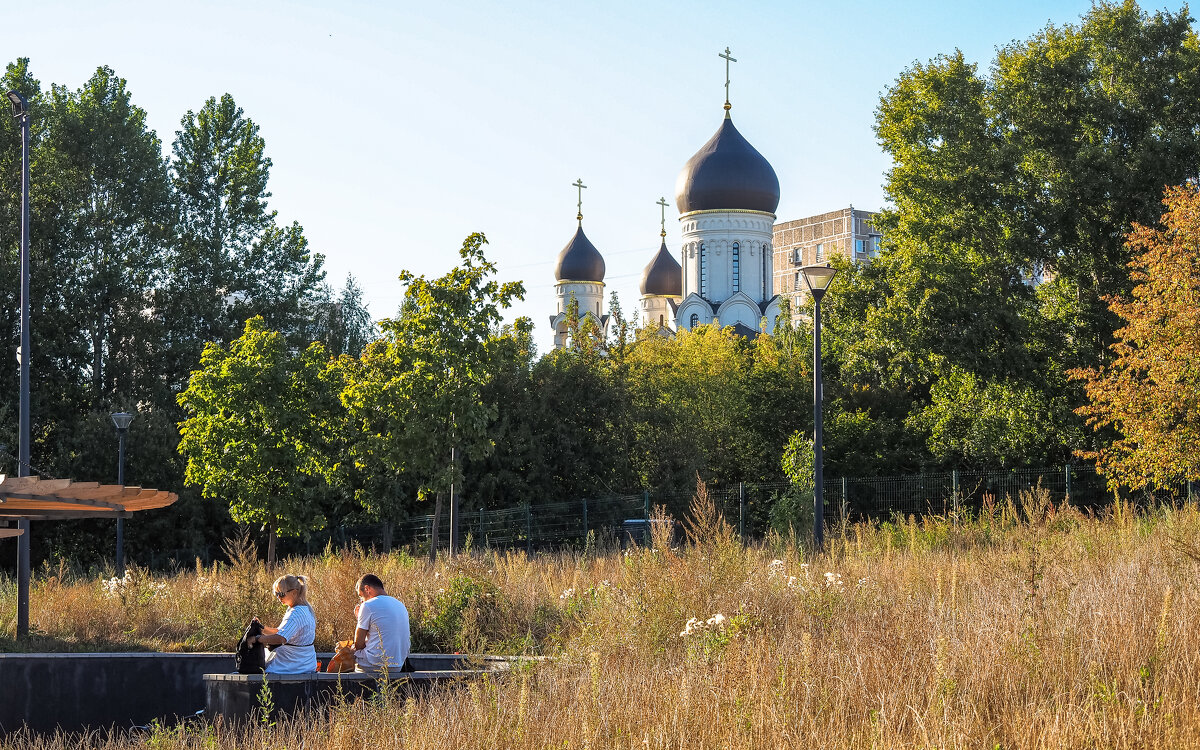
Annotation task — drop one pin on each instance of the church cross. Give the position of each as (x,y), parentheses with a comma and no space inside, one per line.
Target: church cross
(728,59)
(663,202)
(578,184)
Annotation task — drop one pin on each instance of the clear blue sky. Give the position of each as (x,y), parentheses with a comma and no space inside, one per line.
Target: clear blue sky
(397,128)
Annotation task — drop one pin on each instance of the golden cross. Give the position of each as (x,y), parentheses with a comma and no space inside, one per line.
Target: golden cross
(578,183)
(663,202)
(728,59)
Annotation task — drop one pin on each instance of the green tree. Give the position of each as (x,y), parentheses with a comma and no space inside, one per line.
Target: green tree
(116,213)
(417,391)
(255,437)
(231,259)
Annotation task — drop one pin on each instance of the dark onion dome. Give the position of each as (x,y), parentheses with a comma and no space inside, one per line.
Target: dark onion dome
(663,276)
(727,173)
(579,260)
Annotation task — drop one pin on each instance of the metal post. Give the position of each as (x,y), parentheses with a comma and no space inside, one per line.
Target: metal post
(742,511)
(453,510)
(528,530)
(845,499)
(585,522)
(818,455)
(121,519)
(646,505)
(954,491)
(1067,482)
(21,113)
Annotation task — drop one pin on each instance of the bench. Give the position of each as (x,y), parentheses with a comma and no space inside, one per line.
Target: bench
(237,697)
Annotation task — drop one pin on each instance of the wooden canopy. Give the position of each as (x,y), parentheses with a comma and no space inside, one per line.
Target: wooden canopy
(36,499)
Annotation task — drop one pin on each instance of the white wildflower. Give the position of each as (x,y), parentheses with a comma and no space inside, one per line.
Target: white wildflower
(717,621)
(567,594)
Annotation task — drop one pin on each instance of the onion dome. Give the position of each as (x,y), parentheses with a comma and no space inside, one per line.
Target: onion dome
(663,276)
(727,173)
(579,260)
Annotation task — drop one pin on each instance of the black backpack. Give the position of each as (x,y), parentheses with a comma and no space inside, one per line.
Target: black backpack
(251,659)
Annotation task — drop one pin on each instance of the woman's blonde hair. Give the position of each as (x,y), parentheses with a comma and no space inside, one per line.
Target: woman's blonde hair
(284,584)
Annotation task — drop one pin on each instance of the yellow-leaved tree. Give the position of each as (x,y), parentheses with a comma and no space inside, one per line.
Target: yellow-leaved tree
(1150,392)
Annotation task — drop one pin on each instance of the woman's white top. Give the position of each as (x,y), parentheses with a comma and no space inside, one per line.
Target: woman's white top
(298,655)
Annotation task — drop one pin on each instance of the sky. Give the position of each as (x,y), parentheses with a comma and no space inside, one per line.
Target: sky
(397,128)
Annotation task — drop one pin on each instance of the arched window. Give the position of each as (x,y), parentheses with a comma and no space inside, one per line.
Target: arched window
(703,274)
(737,278)
(695,321)
(660,321)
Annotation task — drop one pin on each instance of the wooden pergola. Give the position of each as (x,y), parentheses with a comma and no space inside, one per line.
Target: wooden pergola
(37,499)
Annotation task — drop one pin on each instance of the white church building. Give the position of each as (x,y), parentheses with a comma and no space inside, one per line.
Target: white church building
(726,195)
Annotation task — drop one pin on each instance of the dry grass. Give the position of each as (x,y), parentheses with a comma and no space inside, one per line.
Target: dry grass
(1029,627)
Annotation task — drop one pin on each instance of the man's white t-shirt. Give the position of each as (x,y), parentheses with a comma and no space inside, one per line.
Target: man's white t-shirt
(385,618)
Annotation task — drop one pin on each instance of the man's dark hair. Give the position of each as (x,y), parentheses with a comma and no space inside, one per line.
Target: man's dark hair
(370,579)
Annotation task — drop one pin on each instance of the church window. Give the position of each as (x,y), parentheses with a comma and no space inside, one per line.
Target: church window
(695,320)
(737,279)
(703,273)
(820,252)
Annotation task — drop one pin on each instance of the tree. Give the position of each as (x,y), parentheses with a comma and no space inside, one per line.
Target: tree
(258,421)
(1011,193)
(231,260)
(342,323)
(1149,393)
(116,213)
(416,393)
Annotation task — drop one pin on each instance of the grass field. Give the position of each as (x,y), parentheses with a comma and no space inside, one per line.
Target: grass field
(1029,626)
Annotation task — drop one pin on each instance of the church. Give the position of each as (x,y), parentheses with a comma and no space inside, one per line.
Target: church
(726,195)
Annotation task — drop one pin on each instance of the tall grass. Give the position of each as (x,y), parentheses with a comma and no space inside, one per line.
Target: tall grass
(1028,626)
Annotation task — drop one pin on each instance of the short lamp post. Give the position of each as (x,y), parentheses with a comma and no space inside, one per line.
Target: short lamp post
(121,420)
(20,112)
(818,278)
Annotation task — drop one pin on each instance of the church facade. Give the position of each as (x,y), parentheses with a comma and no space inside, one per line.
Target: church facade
(726,196)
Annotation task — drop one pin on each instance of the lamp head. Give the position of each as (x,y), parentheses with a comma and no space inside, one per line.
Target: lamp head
(818,278)
(19,104)
(122,419)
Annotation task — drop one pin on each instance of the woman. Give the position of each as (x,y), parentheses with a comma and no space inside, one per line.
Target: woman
(293,639)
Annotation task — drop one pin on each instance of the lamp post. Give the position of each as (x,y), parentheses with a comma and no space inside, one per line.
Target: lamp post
(818,279)
(20,111)
(121,420)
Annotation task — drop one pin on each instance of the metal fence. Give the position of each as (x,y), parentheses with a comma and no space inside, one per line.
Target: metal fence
(746,508)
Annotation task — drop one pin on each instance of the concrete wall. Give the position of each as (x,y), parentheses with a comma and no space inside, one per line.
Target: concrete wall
(97,691)
(77,691)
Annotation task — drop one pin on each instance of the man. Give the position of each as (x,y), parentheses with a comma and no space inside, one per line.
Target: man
(382,639)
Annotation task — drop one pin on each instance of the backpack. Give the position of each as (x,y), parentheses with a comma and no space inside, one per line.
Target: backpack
(250,659)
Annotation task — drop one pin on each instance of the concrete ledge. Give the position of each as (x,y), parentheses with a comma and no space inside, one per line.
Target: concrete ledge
(237,697)
(101,690)
(96,691)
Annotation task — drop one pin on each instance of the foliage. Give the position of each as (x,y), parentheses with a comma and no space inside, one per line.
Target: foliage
(1150,391)
(416,393)
(256,416)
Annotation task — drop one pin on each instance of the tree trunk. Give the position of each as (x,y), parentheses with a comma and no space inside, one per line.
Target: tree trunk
(437,525)
(271,546)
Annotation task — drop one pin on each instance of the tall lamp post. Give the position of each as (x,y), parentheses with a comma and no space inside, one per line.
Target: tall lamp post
(20,110)
(818,278)
(121,420)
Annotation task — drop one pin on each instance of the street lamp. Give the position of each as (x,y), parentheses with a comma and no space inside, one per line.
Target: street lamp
(121,419)
(20,111)
(818,279)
